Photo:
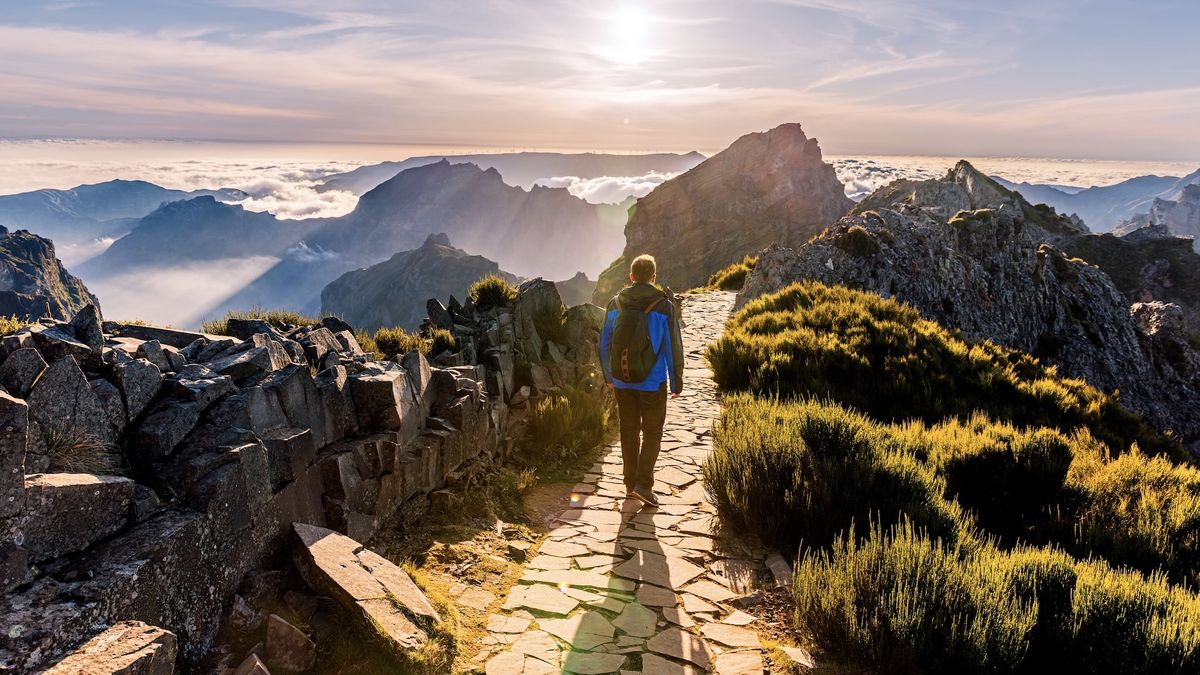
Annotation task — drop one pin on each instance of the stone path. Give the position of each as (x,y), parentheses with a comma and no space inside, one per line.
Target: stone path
(620,588)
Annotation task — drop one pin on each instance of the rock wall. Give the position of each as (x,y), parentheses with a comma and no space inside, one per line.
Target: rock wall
(224,443)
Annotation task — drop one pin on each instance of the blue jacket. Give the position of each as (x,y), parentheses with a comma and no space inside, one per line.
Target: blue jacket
(663,326)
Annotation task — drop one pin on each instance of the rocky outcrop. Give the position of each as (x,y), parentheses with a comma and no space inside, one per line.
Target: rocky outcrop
(225,444)
(767,188)
(33,282)
(393,293)
(974,256)
(1106,207)
(1179,216)
(126,648)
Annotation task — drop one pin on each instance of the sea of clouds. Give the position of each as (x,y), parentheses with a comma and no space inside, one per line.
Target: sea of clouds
(609,189)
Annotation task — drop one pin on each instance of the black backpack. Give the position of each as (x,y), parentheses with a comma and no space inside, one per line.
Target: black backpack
(631,356)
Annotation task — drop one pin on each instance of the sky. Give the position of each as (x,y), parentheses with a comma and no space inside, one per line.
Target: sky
(1101,79)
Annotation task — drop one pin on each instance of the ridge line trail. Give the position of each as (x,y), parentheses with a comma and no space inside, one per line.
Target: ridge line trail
(614,589)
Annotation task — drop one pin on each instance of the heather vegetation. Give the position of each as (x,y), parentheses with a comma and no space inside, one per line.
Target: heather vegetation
(491,291)
(733,277)
(957,506)
(282,319)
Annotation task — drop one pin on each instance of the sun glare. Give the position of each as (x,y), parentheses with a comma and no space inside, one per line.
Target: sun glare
(628,39)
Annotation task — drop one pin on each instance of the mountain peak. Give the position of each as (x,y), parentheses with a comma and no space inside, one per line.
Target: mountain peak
(438,239)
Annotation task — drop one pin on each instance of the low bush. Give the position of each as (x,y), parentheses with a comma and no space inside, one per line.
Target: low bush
(441,340)
(899,601)
(880,356)
(804,471)
(392,341)
(733,277)
(491,291)
(563,426)
(279,318)
(11,324)
(1136,510)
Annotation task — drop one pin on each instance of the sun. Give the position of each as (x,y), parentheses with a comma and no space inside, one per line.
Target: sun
(628,41)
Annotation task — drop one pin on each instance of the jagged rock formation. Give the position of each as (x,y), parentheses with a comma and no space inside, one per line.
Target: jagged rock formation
(1105,207)
(766,188)
(974,256)
(33,282)
(1148,264)
(393,292)
(224,443)
(521,168)
(1180,216)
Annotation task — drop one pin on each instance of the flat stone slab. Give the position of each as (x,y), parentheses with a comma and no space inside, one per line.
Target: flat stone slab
(660,570)
(476,598)
(739,663)
(730,636)
(380,595)
(710,590)
(585,663)
(656,596)
(637,620)
(562,549)
(499,623)
(584,631)
(578,578)
(682,645)
(652,664)
(130,647)
(541,598)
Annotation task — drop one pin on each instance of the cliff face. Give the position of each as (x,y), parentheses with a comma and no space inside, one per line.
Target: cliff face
(1180,216)
(974,256)
(394,292)
(33,282)
(766,188)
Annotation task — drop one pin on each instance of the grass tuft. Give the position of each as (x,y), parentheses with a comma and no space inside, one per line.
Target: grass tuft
(73,450)
(491,292)
(283,319)
(733,277)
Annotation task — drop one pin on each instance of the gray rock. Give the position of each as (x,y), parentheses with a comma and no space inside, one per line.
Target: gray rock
(244,329)
(14,430)
(167,336)
(165,428)
(349,342)
(200,384)
(382,396)
(86,327)
(37,455)
(267,358)
(126,648)
(143,504)
(20,370)
(63,400)
(289,650)
(438,314)
(56,342)
(110,399)
(139,381)
(67,512)
(318,343)
(337,404)
(154,352)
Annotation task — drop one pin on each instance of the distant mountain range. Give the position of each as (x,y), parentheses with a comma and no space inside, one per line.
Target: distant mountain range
(81,214)
(521,169)
(1104,208)
(34,283)
(539,232)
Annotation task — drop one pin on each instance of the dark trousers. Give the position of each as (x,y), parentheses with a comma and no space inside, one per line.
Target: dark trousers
(642,416)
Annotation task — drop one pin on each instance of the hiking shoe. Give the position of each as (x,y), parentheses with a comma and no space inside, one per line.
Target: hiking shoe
(646,496)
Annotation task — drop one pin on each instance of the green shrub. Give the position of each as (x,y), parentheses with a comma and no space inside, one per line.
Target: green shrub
(491,291)
(804,471)
(11,324)
(392,341)
(881,357)
(562,426)
(442,340)
(1136,510)
(733,277)
(279,318)
(900,602)
(857,241)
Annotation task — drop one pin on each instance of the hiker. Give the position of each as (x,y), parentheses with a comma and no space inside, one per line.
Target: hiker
(640,350)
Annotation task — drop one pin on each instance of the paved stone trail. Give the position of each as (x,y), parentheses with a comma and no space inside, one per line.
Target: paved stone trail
(620,588)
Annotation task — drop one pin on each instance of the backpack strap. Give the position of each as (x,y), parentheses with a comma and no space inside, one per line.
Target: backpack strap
(654,304)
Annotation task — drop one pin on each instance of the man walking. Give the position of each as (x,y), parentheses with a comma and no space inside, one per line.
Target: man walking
(641,349)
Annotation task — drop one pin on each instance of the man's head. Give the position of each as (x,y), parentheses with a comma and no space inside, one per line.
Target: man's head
(642,270)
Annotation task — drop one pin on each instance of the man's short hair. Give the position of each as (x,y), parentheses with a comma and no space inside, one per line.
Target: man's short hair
(642,268)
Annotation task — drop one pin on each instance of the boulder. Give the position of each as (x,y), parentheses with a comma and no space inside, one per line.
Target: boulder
(126,648)
(110,399)
(383,397)
(438,314)
(67,512)
(165,428)
(56,342)
(378,594)
(244,329)
(86,327)
(269,357)
(252,665)
(289,650)
(167,336)
(200,384)
(337,404)
(63,400)
(20,370)
(160,355)
(139,382)
(319,342)
(14,431)
(349,342)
